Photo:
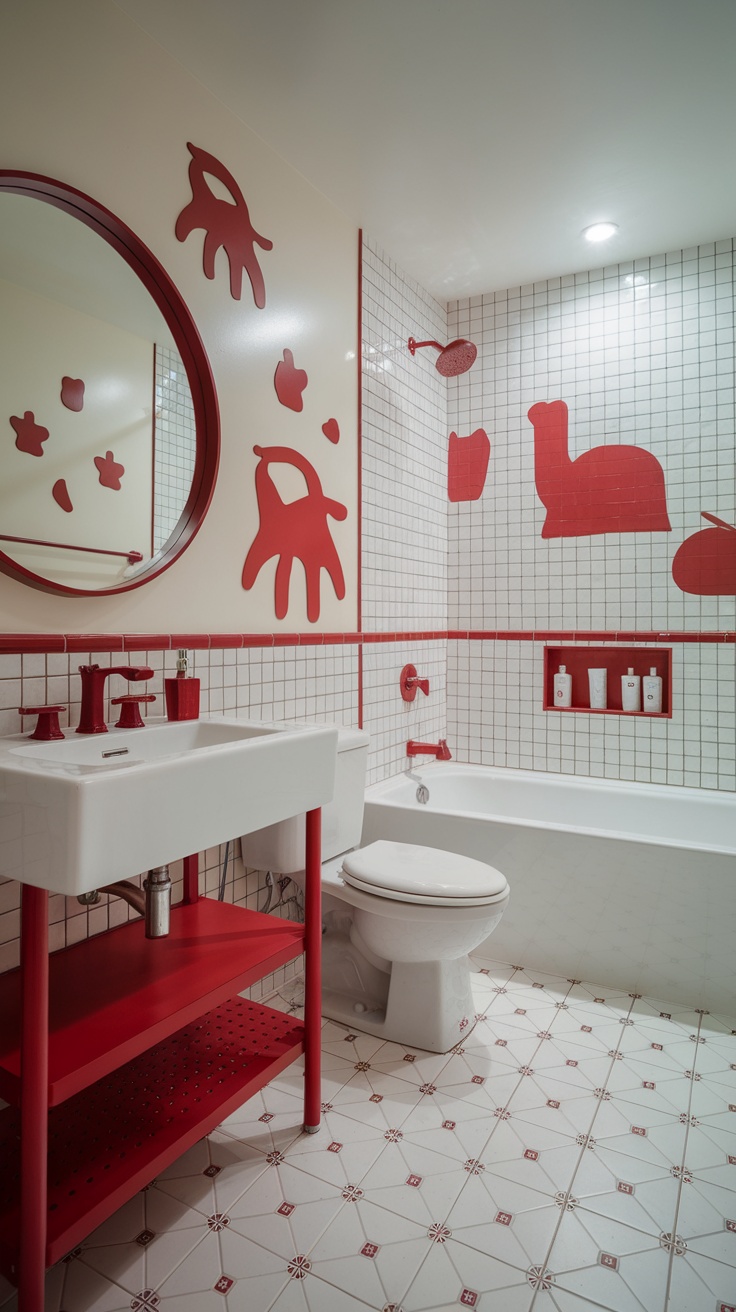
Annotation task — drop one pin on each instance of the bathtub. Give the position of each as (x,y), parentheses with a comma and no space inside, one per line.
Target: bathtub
(629,885)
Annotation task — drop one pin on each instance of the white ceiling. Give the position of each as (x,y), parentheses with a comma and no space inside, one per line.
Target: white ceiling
(475,139)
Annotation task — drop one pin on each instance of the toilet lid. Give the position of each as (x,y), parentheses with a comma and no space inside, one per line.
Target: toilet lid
(410,873)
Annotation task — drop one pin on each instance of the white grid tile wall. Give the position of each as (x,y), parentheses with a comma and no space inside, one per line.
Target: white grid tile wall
(643,354)
(404,583)
(175,442)
(495,717)
(389,720)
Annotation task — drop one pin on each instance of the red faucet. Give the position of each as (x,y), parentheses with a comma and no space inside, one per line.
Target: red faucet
(92,715)
(439,750)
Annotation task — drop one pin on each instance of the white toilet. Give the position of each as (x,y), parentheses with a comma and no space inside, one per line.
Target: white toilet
(399,920)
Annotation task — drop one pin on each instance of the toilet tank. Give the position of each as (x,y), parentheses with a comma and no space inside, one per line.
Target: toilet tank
(280,847)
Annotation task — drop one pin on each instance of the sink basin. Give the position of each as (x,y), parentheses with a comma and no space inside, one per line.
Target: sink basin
(84,811)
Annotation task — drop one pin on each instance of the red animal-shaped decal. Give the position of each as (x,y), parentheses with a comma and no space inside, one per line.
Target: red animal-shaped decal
(611,489)
(29,436)
(467,465)
(72,393)
(227,225)
(705,564)
(290,382)
(110,471)
(294,530)
(331,430)
(60,493)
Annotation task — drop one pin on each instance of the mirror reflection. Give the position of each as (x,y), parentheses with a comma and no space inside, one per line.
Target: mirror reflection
(98,429)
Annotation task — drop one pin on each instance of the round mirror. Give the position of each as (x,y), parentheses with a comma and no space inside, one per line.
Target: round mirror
(108,411)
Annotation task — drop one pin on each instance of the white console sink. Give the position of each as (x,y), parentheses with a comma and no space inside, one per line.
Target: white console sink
(81,812)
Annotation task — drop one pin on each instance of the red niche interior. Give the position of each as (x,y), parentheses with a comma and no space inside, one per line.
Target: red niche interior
(617,661)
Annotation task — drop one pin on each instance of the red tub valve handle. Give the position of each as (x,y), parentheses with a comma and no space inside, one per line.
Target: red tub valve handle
(47,727)
(408,683)
(130,715)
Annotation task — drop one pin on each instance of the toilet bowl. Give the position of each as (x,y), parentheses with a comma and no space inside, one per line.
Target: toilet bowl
(399,920)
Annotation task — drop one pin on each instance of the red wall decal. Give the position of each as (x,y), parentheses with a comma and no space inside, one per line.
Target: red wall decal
(290,382)
(467,465)
(705,564)
(60,493)
(611,489)
(110,471)
(29,436)
(226,225)
(331,430)
(72,393)
(297,530)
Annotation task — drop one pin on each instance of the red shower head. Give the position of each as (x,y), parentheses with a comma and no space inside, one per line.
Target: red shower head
(453,359)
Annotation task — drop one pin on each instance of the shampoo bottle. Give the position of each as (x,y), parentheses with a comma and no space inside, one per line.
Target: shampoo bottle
(598,688)
(652,689)
(563,687)
(630,691)
(182,693)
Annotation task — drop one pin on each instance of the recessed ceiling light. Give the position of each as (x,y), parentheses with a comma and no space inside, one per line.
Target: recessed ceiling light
(600,231)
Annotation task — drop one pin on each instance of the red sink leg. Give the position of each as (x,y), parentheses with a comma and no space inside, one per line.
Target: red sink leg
(34,963)
(313,973)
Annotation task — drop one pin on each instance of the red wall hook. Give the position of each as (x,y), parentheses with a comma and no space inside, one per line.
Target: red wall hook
(453,359)
(408,683)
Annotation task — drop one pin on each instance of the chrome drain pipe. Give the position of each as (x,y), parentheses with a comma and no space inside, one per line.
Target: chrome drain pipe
(153,900)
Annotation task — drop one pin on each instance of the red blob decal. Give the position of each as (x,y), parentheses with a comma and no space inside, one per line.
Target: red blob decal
(297,530)
(611,489)
(110,472)
(290,382)
(60,493)
(72,393)
(467,465)
(331,430)
(227,225)
(705,564)
(29,436)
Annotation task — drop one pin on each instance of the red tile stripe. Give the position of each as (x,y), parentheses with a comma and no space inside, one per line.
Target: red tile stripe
(19,643)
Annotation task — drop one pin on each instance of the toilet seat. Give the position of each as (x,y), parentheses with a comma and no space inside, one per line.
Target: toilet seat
(406,872)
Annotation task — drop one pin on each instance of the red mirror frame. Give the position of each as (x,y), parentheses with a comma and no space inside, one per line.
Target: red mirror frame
(191,349)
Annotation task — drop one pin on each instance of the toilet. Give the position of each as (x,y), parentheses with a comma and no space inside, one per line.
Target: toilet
(399,920)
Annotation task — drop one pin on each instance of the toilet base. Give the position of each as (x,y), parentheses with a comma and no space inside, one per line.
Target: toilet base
(425,1004)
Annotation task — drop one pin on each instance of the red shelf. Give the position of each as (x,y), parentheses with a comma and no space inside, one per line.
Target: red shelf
(110,1140)
(115,995)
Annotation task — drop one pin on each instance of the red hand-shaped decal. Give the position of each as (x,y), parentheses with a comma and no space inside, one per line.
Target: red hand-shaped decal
(297,530)
(290,382)
(110,472)
(227,225)
(72,393)
(29,436)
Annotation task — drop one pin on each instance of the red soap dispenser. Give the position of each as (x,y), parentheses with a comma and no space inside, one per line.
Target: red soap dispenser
(182,693)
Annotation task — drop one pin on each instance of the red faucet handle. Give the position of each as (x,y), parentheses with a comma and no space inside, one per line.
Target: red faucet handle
(47,727)
(408,683)
(130,715)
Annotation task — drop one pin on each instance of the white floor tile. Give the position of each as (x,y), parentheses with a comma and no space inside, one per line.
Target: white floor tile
(575,1131)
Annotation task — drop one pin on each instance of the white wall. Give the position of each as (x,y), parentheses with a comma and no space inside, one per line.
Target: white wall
(87,98)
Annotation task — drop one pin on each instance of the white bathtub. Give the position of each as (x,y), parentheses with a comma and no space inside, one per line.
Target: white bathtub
(632,885)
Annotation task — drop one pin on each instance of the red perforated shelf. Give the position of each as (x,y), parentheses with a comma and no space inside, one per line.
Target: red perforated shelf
(115,995)
(109,1141)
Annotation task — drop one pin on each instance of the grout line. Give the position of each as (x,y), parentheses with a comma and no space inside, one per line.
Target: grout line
(583,1151)
(682,1171)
